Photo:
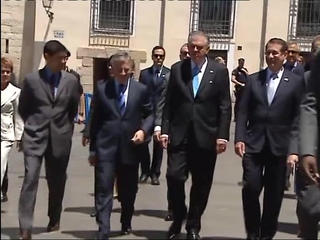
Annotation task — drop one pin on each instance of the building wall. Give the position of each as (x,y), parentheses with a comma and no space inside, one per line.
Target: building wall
(12,16)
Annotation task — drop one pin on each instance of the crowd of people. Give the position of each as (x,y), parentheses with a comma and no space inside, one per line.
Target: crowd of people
(186,110)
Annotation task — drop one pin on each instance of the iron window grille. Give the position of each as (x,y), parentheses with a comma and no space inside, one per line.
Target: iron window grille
(112,16)
(214,17)
(304,19)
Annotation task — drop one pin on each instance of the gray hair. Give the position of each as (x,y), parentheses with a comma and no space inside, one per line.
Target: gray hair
(315,46)
(119,57)
(194,34)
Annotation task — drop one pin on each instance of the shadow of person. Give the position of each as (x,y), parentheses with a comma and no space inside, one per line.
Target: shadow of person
(146,212)
(89,234)
(291,228)
(83,210)
(14,232)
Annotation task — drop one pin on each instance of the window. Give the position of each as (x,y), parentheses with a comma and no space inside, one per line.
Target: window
(213,17)
(112,16)
(308,18)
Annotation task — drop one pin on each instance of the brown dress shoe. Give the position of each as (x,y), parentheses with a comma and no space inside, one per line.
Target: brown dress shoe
(25,234)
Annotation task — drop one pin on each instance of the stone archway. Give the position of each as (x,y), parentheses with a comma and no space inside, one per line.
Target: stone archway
(87,54)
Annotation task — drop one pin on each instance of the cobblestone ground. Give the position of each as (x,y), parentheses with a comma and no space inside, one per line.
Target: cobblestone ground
(222,219)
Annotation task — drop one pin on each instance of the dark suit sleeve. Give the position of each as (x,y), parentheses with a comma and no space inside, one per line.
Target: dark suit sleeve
(141,78)
(25,100)
(96,121)
(160,106)
(147,125)
(168,97)
(224,106)
(294,140)
(243,113)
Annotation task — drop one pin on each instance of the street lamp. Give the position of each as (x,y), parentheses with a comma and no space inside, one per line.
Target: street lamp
(47,5)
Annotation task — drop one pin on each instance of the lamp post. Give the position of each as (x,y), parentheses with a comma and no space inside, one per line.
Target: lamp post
(47,5)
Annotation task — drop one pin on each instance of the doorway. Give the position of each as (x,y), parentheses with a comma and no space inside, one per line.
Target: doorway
(212,54)
(100,70)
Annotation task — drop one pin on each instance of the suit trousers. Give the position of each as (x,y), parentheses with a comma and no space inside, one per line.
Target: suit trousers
(5,150)
(200,163)
(263,170)
(157,154)
(56,168)
(5,183)
(127,183)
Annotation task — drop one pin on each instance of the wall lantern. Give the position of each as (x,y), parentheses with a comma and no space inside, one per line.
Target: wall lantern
(47,5)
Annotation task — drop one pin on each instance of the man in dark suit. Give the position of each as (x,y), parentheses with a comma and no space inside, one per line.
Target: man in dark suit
(304,143)
(268,108)
(292,62)
(48,104)
(155,78)
(121,118)
(195,128)
(184,54)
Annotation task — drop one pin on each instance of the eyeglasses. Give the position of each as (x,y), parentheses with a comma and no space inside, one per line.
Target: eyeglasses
(158,55)
(184,53)
(5,71)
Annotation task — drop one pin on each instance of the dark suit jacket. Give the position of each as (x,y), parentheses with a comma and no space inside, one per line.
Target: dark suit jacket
(46,117)
(111,133)
(258,123)
(160,106)
(155,88)
(209,111)
(299,69)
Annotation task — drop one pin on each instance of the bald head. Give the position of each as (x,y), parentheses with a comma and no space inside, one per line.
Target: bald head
(315,46)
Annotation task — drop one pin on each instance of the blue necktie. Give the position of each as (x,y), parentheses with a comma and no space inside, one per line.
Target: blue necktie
(121,98)
(271,87)
(156,77)
(195,80)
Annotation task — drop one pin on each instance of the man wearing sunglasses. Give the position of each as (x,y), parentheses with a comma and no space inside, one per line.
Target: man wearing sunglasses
(155,78)
(292,62)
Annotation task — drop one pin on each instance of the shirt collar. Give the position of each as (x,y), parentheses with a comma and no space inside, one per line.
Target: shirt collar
(49,73)
(193,64)
(155,68)
(279,73)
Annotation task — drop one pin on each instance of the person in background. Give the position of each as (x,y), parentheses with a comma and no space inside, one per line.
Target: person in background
(122,117)
(11,122)
(154,77)
(81,108)
(220,60)
(184,54)
(239,78)
(48,104)
(292,62)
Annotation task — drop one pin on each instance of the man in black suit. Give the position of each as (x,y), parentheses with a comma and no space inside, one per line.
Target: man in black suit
(195,128)
(269,106)
(292,62)
(121,118)
(155,78)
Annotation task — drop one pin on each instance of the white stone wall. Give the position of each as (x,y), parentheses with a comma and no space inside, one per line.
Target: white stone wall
(12,16)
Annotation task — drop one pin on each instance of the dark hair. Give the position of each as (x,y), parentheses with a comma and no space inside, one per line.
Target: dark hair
(68,53)
(280,41)
(53,47)
(241,60)
(158,48)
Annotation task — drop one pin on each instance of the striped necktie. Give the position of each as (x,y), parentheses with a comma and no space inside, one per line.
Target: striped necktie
(121,98)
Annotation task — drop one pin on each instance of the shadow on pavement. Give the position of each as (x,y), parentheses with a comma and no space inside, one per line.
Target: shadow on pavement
(87,234)
(13,232)
(291,228)
(145,212)
(83,210)
(289,196)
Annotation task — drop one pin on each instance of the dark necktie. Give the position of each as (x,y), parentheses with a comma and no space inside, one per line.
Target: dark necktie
(121,98)
(156,76)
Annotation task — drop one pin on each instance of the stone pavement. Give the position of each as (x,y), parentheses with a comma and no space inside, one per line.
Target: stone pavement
(222,219)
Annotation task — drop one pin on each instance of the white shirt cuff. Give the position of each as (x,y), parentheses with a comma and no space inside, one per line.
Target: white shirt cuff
(157,128)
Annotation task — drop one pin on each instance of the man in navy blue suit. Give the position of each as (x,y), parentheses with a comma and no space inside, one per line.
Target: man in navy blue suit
(121,119)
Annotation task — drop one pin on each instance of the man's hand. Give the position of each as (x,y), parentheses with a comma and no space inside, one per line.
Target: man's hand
(19,146)
(245,70)
(221,146)
(92,160)
(138,137)
(81,119)
(85,141)
(164,141)
(308,166)
(292,160)
(157,135)
(240,148)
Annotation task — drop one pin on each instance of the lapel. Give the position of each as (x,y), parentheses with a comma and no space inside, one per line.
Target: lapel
(112,95)
(186,77)
(283,84)
(62,84)
(131,95)
(162,76)
(8,94)
(206,78)
(150,77)
(44,83)
(263,85)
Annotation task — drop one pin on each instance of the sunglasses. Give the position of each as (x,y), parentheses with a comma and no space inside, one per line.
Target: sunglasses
(184,53)
(158,55)
(5,71)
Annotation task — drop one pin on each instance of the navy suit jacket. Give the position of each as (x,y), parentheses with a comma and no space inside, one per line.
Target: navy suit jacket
(111,132)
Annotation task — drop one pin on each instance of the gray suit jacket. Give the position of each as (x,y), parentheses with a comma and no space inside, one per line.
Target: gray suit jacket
(48,120)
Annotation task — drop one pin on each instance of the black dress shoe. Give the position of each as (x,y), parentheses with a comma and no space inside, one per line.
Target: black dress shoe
(25,234)
(155,181)
(143,178)
(53,227)
(93,214)
(174,230)
(252,237)
(193,234)
(169,217)
(126,230)
(4,198)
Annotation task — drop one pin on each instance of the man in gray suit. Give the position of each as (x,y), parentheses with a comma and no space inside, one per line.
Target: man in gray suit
(305,143)
(48,104)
